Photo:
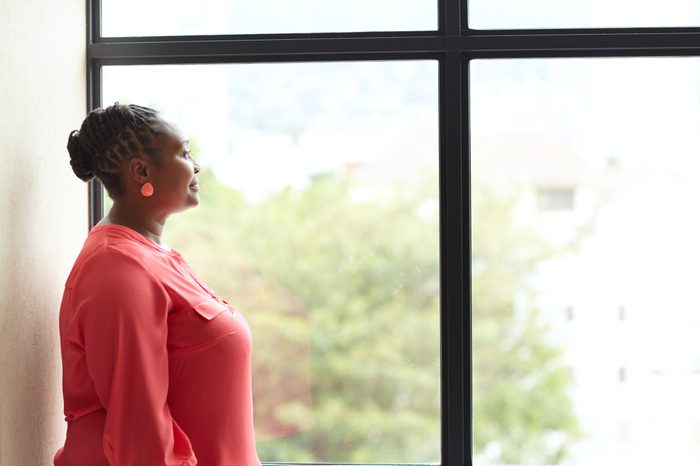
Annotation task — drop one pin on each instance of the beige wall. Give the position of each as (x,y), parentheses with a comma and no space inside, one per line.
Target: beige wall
(43,218)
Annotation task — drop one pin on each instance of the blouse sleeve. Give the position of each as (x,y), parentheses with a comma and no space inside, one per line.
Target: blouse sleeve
(125,311)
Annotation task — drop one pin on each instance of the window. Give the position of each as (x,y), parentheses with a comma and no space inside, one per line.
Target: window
(179,17)
(514,14)
(615,252)
(303,164)
(514,173)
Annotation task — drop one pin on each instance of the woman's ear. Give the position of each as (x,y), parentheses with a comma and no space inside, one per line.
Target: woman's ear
(138,170)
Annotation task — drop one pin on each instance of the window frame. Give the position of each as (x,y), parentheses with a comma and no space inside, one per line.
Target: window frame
(452,45)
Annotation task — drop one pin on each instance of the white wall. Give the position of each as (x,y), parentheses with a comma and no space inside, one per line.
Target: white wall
(43,215)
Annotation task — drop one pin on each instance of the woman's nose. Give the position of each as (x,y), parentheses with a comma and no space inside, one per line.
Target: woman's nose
(196,167)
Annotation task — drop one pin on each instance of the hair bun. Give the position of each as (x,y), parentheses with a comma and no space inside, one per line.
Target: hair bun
(79,160)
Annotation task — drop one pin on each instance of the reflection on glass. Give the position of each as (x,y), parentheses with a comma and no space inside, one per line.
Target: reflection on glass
(545,14)
(585,260)
(184,17)
(319,221)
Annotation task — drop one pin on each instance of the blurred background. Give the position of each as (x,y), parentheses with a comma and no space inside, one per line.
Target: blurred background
(320,220)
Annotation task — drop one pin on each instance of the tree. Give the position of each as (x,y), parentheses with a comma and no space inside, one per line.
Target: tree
(343,299)
(522,409)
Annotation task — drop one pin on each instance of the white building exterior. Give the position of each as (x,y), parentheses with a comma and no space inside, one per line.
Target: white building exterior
(623,302)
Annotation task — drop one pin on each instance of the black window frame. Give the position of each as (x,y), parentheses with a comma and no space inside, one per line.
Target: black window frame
(452,45)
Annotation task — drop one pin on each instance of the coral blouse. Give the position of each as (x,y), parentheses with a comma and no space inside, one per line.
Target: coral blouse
(156,366)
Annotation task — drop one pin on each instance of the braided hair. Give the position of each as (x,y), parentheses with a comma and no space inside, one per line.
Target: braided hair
(107,137)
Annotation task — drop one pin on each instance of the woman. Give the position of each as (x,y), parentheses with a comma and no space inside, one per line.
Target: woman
(156,366)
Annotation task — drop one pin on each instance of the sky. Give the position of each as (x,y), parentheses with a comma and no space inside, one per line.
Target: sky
(164,17)
(300,118)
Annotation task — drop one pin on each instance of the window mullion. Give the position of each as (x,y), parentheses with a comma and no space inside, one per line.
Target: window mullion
(93,20)
(581,43)
(455,399)
(451,17)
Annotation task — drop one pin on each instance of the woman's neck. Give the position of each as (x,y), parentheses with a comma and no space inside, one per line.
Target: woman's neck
(149,227)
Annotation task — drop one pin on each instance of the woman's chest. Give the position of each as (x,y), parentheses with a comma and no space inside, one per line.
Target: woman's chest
(198,315)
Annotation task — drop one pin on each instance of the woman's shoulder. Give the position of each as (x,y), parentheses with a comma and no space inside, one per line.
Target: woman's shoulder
(110,245)
(110,258)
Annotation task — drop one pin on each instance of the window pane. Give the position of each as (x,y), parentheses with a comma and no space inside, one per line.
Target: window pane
(537,14)
(206,17)
(319,221)
(585,261)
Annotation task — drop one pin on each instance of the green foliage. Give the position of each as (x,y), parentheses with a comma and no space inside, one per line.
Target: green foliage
(522,408)
(343,299)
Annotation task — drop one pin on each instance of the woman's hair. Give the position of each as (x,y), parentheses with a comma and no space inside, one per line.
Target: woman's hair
(108,137)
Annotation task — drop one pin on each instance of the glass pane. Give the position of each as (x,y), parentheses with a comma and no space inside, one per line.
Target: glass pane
(543,14)
(319,221)
(585,255)
(180,17)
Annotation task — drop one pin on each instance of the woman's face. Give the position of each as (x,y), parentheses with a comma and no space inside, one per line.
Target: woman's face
(173,173)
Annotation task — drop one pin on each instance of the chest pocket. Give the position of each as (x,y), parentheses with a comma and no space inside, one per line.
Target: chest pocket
(204,321)
(210,308)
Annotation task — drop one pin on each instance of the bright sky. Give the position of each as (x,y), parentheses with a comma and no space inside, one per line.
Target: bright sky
(301,119)
(164,17)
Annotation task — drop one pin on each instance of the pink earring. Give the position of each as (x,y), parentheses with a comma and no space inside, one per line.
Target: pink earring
(147,189)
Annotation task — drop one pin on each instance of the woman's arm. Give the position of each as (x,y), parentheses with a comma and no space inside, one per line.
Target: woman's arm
(124,310)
